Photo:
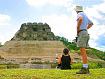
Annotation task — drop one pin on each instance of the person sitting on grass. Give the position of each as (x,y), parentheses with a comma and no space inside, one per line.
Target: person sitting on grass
(64,61)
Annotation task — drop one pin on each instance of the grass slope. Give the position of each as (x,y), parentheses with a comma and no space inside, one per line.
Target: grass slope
(50,74)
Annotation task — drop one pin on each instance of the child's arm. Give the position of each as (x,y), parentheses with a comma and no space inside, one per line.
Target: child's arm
(59,59)
(71,62)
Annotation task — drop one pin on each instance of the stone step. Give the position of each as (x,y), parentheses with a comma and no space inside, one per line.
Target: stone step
(35,48)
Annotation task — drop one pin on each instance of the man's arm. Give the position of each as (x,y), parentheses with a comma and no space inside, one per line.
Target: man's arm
(89,25)
(79,22)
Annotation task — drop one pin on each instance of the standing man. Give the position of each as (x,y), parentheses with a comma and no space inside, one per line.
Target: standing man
(83,24)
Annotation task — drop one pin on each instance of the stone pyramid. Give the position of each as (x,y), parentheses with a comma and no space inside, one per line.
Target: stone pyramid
(33,39)
(34,31)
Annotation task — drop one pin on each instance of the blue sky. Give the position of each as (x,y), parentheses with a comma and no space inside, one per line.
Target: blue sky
(59,14)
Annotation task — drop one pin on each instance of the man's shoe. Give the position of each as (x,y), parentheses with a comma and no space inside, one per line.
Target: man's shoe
(83,71)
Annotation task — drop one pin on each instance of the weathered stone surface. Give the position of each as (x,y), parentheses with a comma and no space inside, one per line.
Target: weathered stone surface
(33,48)
(34,31)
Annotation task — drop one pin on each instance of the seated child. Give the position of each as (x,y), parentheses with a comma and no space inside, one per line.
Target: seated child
(64,61)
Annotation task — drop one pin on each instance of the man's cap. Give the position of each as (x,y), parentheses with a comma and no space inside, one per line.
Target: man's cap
(78,8)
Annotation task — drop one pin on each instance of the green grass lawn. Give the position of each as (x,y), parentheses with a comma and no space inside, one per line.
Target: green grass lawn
(50,74)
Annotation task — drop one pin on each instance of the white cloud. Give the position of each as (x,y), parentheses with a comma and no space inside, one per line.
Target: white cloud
(97,29)
(5,27)
(36,3)
(7,32)
(101,7)
(61,25)
(94,11)
(4,19)
(40,3)
(95,33)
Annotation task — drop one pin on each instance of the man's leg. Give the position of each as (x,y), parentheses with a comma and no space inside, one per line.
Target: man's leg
(85,69)
(84,57)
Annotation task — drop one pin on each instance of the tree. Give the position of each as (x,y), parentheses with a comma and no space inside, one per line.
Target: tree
(69,45)
(0,44)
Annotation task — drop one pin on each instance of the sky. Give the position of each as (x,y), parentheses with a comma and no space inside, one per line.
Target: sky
(59,14)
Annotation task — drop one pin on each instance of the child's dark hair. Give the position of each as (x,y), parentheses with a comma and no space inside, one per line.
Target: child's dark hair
(66,51)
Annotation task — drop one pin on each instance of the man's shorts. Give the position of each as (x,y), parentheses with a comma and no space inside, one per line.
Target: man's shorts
(83,38)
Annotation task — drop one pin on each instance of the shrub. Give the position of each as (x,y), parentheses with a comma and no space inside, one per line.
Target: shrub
(10,66)
(36,62)
(54,65)
(76,65)
(95,65)
(92,65)
(3,66)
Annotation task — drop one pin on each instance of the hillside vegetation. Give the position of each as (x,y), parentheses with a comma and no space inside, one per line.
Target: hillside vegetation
(92,52)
